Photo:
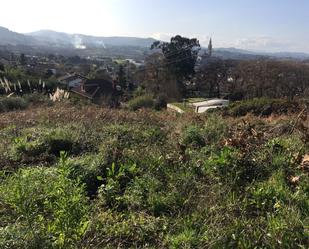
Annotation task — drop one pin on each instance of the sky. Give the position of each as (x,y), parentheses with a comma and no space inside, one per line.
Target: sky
(259,25)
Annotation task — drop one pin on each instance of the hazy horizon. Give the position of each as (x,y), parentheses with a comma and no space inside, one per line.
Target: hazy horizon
(262,25)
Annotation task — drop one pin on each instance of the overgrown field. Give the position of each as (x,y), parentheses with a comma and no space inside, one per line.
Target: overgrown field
(77,176)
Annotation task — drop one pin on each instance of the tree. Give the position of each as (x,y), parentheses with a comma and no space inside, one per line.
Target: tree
(156,79)
(180,56)
(49,73)
(122,80)
(272,78)
(211,77)
(22,59)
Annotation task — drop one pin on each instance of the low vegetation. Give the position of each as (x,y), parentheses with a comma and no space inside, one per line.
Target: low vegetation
(88,177)
(266,107)
(145,101)
(12,103)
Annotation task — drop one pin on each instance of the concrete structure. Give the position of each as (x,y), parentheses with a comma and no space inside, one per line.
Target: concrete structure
(201,107)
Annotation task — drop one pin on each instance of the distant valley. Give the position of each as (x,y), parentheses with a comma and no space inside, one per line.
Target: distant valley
(48,41)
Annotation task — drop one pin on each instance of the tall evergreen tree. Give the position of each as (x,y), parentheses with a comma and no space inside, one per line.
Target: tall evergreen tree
(22,59)
(180,55)
(122,80)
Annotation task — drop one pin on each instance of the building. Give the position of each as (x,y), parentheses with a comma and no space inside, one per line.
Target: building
(72,80)
(93,89)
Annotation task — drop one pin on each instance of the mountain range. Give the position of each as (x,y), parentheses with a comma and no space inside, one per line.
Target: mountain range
(59,39)
(48,41)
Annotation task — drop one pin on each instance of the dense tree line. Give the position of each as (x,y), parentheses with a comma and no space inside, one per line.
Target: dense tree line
(254,78)
(177,70)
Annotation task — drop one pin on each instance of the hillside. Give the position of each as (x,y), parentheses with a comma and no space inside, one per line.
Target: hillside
(151,179)
(84,41)
(64,40)
(46,42)
(8,37)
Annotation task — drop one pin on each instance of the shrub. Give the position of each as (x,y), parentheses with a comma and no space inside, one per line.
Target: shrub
(34,143)
(118,178)
(215,129)
(211,132)
(12,103)
(229,166)
(121,142)
(51,208)
(263,106)
(270,196)
(145,101)
(91,170)
(193,136)
(37,98)
(160,103)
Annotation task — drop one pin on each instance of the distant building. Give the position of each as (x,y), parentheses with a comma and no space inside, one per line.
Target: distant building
(137,64)
(94,88)
(72,80)
(53,70)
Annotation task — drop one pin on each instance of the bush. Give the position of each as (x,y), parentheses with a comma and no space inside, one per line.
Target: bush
(211,132)
(160,103)
(145,101)
(37,98)
(264,107)
(215,129)
(193,135)
(51,208)
(12,103)
(34,143)
(90,170)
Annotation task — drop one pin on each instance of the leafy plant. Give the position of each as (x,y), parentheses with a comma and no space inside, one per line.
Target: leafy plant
(12,103)
(55,213)
(145,101)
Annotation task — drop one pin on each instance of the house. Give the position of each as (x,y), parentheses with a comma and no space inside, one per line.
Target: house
(94,88)
(72,80)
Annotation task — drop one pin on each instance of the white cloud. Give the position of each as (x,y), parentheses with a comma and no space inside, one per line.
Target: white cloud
(270,44)
(253,43)
(162,36)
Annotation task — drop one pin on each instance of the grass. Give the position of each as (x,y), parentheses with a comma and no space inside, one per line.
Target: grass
(194,100)
(151,179)
(185,107)
(145,101)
